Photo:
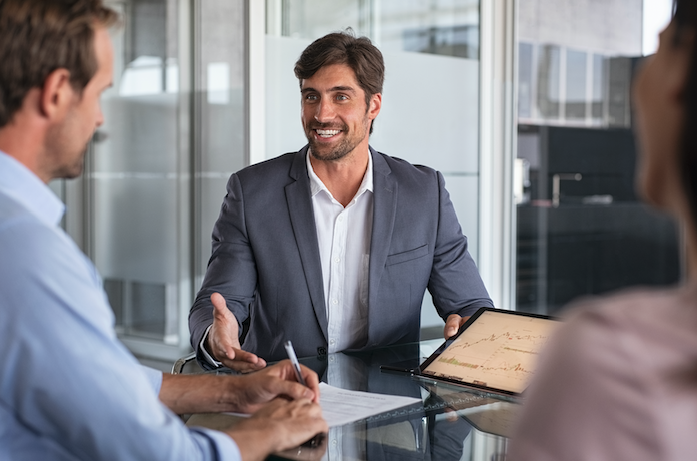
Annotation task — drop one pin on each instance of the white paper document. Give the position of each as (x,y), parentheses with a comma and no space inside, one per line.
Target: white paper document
(340,406)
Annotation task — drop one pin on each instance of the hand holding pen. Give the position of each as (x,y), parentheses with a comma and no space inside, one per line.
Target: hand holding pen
(319,439)
(294,360)
(304,375)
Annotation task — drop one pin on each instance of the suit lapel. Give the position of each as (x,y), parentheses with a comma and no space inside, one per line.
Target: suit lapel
(303,221)
(384,211)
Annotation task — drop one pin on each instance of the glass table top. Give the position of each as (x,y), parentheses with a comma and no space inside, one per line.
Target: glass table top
(449,423)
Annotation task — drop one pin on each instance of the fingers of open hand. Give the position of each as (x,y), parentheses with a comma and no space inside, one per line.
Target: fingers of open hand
(243,362)
(222,345)
(222,315)
(224,339)
(228,351)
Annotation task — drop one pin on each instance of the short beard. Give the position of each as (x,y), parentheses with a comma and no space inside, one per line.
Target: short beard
(73,170)
(342,150)
(339,152)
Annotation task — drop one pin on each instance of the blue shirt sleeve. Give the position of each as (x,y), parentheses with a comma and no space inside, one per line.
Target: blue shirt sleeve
(72,390)
(155,378)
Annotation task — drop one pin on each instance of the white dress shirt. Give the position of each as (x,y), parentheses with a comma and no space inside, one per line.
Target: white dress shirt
(343,235)
(345,259)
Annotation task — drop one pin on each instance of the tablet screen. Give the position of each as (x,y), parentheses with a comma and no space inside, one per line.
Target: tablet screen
(497,350)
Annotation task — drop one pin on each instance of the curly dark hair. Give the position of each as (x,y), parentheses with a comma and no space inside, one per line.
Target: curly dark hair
(685,18)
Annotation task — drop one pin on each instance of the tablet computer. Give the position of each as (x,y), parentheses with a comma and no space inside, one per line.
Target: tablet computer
(494,351)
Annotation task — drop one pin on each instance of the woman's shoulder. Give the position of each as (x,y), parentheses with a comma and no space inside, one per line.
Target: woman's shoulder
(643,311)
(611,380)
(629,336)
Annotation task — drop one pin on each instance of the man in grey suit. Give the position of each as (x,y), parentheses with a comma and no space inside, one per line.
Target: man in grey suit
(333,246)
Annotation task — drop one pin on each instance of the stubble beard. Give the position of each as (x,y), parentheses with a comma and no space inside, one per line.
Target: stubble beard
(346,146)
(67,163)
(75,169)
(322,152)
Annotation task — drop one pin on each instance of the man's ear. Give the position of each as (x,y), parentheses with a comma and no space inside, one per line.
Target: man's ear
(375,105)
(56,95)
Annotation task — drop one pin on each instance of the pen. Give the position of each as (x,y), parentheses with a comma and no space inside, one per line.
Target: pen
(294,360)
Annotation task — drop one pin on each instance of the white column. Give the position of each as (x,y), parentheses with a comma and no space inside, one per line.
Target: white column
(256,80)
(497,230)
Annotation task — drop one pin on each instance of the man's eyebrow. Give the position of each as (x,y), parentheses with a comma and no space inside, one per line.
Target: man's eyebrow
(343,88)
(335,88)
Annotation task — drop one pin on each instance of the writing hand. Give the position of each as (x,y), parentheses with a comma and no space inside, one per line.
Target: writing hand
(453,324)
(279,425)
(223,339)
(255,389)
(208,393)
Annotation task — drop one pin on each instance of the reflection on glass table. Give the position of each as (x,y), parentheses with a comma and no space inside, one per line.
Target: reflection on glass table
(449,423)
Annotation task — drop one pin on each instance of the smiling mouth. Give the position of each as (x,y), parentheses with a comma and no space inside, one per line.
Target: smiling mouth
(327,133)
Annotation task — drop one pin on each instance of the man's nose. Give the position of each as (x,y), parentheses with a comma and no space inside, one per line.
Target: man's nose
(325,111)
(99,119)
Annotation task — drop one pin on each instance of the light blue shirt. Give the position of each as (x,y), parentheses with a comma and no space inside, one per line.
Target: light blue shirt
(69,389)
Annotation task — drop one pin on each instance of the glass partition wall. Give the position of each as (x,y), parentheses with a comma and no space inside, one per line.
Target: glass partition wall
(581,228)
(156,171)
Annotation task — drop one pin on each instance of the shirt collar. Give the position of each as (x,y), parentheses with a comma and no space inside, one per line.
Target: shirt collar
(316,184)
(17,181)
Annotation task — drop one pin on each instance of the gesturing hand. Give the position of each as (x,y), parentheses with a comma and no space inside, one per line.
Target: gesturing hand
(223,340)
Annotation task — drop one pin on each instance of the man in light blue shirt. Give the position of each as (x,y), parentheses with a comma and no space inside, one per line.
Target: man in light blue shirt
(68,388)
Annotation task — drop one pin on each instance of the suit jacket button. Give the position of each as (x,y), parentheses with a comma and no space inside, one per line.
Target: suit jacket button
(321,351)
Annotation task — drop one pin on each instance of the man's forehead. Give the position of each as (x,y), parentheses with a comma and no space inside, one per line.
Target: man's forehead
(339,76)
(104,50)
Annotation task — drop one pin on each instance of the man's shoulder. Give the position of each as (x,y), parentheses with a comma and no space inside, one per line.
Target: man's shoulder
(400,163)
(26,240)
(276,165)
(403,170)
(14,212)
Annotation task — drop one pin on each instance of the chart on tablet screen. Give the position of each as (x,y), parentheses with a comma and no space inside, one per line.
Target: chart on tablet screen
(497,350)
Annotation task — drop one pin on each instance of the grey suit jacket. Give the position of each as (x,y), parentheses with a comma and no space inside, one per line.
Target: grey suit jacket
(265,259)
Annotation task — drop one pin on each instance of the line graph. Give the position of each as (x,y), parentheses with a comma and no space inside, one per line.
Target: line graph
(498,350)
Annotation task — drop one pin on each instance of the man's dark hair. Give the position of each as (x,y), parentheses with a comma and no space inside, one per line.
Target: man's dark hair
(685,18)
(39,36)
(345,48)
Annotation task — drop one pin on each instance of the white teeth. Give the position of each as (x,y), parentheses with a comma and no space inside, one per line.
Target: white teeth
(327,133)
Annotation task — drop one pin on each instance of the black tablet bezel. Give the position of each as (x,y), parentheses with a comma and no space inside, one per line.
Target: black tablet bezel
(419,371)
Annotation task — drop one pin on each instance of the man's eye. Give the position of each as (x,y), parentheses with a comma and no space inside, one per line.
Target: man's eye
(310,97)
(342,97)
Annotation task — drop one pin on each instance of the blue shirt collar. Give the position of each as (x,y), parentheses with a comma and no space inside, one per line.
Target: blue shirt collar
(20,183)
